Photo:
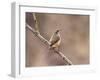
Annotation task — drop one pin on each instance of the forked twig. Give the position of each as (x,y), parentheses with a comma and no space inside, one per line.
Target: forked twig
(36,33)
(68,62)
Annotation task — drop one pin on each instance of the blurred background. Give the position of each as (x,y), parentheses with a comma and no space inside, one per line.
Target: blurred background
(74,39)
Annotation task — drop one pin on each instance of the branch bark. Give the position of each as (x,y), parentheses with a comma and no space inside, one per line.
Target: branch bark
(36,22)
(67,61)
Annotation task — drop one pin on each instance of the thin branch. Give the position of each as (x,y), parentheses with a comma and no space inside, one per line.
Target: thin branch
(36,22)
(68,62)
(38,35)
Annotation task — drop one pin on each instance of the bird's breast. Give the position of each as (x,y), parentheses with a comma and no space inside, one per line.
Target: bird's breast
(57,44)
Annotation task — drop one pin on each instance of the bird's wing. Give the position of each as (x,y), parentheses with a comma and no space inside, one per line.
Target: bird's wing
(54,39)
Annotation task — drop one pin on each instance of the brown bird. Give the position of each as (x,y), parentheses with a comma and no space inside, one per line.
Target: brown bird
(55,39)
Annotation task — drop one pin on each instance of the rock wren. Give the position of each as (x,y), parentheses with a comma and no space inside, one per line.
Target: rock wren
(55,39)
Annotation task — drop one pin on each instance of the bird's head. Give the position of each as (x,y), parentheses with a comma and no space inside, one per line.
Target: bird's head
(57,31)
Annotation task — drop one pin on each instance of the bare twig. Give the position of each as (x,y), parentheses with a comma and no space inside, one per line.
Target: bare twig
(68,62)
(36,22)
(36,33)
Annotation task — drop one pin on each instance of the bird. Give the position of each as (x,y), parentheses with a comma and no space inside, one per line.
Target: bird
(55,40)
